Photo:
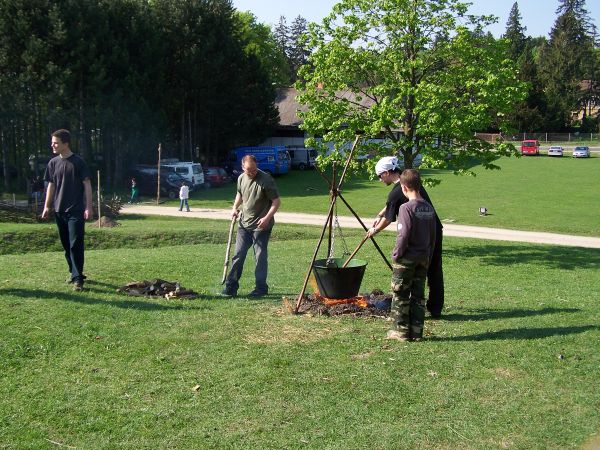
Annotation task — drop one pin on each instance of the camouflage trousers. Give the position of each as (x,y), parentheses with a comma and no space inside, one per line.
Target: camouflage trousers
(408,297)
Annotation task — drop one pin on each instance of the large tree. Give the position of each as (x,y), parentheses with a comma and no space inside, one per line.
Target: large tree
(528,115)
(413,77)
(564,61)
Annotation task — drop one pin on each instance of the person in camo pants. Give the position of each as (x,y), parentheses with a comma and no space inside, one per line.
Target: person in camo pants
(410,260)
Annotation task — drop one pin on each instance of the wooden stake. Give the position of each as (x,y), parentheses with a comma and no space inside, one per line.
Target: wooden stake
(158,181)
(99,207)
(314,257)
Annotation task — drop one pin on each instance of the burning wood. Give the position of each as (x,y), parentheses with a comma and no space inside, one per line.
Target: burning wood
(375,304)
(157,288)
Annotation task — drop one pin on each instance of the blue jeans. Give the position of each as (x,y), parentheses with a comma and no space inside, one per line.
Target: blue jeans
(245,239)
(184,201)
(71,230)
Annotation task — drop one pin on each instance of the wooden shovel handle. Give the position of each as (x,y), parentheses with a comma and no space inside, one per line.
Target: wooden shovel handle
(355,251)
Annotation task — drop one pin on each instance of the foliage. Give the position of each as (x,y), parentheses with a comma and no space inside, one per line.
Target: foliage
(411,77)
(563,63)
(124,75)
(291,42)
(261,42)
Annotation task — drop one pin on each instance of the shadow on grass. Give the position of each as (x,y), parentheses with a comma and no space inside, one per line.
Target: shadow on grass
(518,334)
(551,257)
(122,301)
(506,314)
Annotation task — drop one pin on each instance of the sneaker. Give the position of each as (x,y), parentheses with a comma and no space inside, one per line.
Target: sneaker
(227,292)
(78,285)
(256,294)
(396,336)
(70,280)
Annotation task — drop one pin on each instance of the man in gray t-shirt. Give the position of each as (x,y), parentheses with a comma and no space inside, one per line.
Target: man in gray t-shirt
(256,202)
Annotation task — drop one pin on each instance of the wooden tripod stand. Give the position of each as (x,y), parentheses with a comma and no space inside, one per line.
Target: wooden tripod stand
(335,191)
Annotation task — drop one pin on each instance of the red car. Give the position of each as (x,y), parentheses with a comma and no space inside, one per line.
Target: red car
(530,147)
(215,177)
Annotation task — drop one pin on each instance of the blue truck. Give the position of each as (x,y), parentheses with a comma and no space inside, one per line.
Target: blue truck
(274,160)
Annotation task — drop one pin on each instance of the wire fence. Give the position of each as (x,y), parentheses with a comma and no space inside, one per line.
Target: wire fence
(542,137)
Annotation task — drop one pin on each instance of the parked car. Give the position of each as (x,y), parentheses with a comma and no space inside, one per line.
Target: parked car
(191,171)
(555,150)
(302,158)
(581,152)
(170,182)
(215,177)
(530,147)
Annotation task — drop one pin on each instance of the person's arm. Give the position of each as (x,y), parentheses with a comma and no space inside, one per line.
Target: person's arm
(404,228)
(49,200)
(380,224)
(87,186)
(275,204)
(236,205)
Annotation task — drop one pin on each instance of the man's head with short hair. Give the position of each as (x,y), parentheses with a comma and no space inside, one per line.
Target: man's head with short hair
(63,135)
(248,158)
(249,166)
(61,143)
(411,179)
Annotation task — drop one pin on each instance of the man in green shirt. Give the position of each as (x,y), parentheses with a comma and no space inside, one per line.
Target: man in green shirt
(259,200)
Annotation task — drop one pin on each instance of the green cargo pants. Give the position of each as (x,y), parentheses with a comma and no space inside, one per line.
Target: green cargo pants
(408,297)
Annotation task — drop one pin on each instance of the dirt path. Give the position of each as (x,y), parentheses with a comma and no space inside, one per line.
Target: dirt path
(496,234)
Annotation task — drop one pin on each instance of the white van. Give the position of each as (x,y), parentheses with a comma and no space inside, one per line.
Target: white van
(191,171)
(301,157)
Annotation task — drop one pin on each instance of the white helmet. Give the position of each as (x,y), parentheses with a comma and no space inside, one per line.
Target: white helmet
(386,163)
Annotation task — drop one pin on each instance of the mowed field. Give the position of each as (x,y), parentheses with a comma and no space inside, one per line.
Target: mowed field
(530,193)
(513,363)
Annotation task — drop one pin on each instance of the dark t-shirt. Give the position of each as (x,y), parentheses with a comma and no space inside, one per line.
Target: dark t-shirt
(257,194)
(396,199)
(67,175)
(416,231)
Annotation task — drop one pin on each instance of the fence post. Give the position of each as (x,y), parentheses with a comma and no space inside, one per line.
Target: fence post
(14,200)
(99,210)
(546,137)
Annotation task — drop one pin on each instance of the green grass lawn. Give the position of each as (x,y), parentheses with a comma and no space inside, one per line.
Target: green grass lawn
(530,193)
(513,364)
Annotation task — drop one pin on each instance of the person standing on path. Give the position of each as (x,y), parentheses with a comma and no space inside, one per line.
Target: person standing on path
(184,194)
(388,171)
(70,192)
(258,198)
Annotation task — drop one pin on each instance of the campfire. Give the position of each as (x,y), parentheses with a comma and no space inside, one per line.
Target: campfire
(375,304)
(338,279)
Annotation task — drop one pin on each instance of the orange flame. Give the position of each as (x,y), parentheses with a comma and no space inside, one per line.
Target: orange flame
(359,300)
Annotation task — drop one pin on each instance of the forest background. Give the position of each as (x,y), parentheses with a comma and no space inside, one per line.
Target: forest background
(201,78)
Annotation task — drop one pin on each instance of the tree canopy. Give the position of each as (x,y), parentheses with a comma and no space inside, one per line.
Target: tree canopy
(412,77)
(124,75)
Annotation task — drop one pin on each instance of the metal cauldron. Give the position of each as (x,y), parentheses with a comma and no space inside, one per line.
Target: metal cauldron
(335,282)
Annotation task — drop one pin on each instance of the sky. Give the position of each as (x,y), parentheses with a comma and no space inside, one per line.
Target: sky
(537,16)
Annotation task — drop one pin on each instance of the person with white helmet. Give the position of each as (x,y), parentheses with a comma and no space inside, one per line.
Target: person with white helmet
(388,170)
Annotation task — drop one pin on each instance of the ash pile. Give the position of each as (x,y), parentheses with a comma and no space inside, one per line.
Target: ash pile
(157,288)
(375,304)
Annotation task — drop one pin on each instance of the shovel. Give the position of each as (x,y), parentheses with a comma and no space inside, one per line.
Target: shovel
(231,227)
(355,251)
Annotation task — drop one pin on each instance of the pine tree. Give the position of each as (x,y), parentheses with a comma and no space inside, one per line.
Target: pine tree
(563,63)
(515,32)
(298,54)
